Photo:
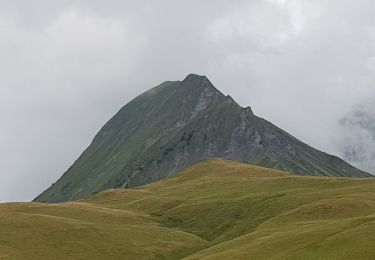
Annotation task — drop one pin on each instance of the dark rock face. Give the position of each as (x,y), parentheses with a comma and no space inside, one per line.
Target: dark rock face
(177,124)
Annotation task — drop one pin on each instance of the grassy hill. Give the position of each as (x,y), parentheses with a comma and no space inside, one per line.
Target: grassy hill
(216,209)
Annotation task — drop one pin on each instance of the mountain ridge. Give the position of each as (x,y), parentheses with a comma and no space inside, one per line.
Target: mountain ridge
(176,124)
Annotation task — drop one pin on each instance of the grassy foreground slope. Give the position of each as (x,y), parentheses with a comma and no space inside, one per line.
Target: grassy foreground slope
(82,231)
(215,209)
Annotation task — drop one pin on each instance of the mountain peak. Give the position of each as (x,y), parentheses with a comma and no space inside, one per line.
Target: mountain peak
(198,82)
(181,123)
(199,86)
(194,77)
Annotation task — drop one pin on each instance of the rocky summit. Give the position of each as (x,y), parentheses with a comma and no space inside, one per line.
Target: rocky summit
(177,124)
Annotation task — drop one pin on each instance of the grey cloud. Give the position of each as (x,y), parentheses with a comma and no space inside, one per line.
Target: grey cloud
(68,66)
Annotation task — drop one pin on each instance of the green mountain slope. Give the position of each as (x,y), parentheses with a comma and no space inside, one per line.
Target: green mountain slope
(216,209)
(175,125)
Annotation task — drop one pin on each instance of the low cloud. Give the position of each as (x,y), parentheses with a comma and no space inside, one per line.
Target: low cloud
(357,138)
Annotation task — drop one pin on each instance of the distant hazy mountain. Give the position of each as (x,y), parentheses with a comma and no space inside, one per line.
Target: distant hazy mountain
(177,124)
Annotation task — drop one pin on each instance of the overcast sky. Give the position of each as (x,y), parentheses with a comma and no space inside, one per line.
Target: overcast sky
(67,66)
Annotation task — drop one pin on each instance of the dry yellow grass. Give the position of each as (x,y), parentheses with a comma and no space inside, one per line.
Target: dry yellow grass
(216,209)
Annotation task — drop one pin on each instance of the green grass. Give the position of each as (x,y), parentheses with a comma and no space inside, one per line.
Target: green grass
(216,209)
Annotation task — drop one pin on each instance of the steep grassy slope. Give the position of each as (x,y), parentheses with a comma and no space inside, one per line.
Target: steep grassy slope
(176,125)
(216,209)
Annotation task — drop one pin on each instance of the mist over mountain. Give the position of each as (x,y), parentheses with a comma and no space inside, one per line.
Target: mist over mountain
(357,141)
(177,124)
